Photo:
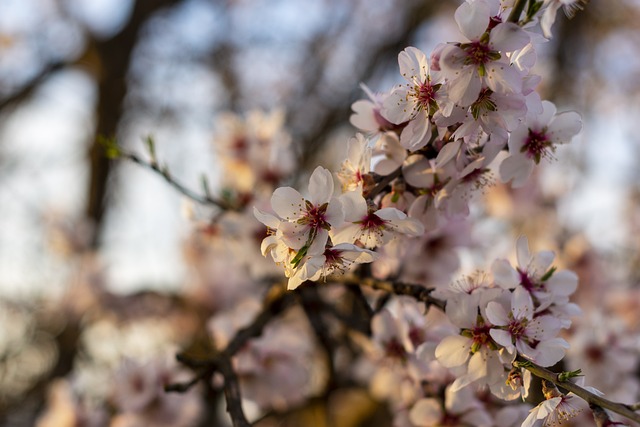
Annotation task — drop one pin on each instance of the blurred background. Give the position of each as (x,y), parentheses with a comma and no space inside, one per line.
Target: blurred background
(72,71)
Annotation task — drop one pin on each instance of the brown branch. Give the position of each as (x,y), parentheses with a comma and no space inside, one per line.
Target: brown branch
(386,180)
(591,398)
(419,292)
(276,302)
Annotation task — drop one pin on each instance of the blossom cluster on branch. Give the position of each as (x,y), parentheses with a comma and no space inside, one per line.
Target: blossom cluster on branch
(368,252)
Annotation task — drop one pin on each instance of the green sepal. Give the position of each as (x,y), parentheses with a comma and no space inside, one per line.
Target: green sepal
(548,274)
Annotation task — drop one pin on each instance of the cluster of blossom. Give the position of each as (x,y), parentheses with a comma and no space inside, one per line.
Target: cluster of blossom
(434,138)
(406,183)
(429,144)
(469,352)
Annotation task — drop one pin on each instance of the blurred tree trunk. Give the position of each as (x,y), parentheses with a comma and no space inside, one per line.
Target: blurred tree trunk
(114,57)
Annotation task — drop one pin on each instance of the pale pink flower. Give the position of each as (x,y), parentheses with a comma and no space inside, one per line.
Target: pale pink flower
(555,410)
(480,60)
(302,221)
(388,154)
(474,347)
(373,227)
(356,165)
(334,260)
(518,329)
(537,139)
(367,113)
(414,103)
(535,274)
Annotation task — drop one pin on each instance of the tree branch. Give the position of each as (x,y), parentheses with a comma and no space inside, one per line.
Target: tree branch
(588,396)
(419,292)
(164,172)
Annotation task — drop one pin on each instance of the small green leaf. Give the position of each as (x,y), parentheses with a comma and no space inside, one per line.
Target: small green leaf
(151,147)
(110,146)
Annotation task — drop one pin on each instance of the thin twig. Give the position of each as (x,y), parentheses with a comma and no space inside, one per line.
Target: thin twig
(588,396)
(154,166)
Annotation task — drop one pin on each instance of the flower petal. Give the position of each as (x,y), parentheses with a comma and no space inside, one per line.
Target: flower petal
(320,186)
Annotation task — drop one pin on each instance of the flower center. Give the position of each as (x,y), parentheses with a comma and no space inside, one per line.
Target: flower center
(425,94)
(483,104)
(395,349)
(537,145)
(517,328)
(315,217)
(372,222)
(478,53)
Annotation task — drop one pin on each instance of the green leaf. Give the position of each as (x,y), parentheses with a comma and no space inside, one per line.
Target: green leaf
(151,147)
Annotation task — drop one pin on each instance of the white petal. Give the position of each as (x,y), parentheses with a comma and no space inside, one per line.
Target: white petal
(541,262)
(522,251)
(453,351)
(294,235)
(334,214)
(320,186)
(564,127)
(472,19)
(266,218)
(416,134)
(413,65)
(517,169)
(363,116)
(288,203)
(398,107)
(507,37)
(550,352)
(504,274)
(497,314)
(426,412)
(521,304)
(501,337)
(354,206)
(562,283)
(503,78)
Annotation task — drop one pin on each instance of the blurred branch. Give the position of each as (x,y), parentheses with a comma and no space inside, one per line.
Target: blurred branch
(163,171)
(27,90)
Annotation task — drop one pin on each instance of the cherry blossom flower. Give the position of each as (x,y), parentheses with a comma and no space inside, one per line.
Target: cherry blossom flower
(302,221)
(334,260)
(537,139)
(555,409)
(535,274)
(474,347)
(373,227)
(481,58)
(367,114)
(414,103)
(274,369)
(518,329)
(388,154)
(357,164)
